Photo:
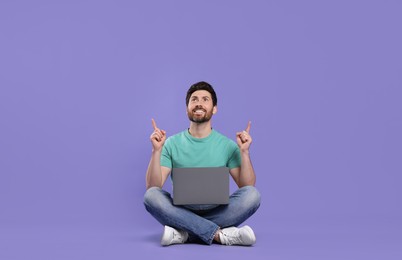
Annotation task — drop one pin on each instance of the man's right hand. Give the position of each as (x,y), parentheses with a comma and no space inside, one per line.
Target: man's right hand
(158,137)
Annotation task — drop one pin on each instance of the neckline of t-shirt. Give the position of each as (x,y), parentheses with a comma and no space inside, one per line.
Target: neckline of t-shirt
(187,133)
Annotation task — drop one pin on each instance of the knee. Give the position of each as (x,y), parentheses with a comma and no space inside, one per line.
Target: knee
(252,195)
(152,195)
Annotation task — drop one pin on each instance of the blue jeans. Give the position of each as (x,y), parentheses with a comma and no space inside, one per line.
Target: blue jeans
(202,221)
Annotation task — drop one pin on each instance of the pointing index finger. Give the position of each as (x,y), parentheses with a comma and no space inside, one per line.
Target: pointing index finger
(154,124)
(248,127)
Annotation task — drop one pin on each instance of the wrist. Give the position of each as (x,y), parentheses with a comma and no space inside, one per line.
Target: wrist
(245,152)
(156,150)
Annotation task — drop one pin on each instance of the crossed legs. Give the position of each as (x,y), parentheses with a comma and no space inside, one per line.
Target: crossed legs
(202,224)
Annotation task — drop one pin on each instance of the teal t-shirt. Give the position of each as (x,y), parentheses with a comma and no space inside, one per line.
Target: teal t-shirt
(216,150)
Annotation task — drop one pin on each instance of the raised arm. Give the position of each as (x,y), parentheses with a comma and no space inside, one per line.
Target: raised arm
(244,175)
(156,174)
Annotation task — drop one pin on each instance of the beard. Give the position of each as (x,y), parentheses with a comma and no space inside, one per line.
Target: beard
(199,119)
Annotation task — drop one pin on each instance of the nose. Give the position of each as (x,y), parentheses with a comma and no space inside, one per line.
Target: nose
(199,107)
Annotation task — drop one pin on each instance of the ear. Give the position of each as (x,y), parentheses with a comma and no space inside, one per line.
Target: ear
(214,110)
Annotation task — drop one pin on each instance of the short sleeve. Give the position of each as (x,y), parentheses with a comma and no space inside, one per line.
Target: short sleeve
(235,158)
(166,157)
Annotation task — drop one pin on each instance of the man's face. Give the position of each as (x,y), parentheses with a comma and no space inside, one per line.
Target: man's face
(200,107)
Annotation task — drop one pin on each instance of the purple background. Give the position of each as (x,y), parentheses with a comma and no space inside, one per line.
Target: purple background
(320,81)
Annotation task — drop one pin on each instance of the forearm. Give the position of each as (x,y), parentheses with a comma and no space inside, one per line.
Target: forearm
(247,176)
(154,172)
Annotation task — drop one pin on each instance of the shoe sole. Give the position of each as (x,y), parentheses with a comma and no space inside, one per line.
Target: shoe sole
(250,236)
(165,237)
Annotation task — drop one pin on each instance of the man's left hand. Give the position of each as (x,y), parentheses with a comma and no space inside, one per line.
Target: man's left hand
(244,139)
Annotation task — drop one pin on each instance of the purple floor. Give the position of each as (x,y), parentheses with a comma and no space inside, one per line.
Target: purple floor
(275,240)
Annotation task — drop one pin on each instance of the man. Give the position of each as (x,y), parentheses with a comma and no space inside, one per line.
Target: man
(202,146)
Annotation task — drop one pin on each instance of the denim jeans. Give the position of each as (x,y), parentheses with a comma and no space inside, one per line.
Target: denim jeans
(202,221)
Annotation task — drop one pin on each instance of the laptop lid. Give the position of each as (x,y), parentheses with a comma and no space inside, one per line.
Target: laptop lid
(200,185)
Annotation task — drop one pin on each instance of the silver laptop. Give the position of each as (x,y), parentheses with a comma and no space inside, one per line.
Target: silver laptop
(200,185)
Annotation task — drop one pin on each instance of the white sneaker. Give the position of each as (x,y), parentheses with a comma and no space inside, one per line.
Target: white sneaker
(172,236)
(237,236)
